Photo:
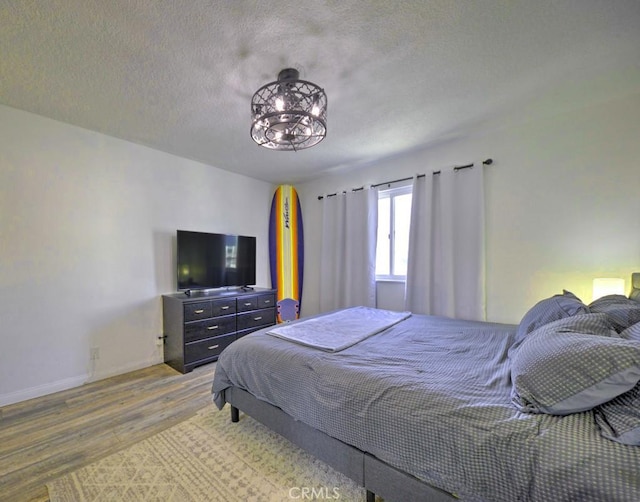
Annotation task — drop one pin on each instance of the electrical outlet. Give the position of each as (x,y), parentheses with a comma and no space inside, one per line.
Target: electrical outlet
(94,353)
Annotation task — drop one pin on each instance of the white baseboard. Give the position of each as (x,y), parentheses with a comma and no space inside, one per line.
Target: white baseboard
(76,381)
(101,374)
(42,390)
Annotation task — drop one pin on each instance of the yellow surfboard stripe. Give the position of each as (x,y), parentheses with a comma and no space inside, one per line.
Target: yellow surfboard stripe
(293,226)
(286,238)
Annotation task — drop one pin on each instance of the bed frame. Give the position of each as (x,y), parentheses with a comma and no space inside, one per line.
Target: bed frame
(374,475)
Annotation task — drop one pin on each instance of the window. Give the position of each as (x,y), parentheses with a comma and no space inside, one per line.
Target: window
(394,215)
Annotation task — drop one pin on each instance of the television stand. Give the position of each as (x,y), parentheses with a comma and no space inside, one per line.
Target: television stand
(199,325)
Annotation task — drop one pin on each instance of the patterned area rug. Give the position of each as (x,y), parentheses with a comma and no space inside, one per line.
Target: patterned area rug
(208,458)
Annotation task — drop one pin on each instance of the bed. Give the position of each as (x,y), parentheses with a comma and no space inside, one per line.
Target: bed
(439,409)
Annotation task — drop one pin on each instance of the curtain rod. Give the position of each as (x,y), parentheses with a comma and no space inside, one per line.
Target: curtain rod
(487,162)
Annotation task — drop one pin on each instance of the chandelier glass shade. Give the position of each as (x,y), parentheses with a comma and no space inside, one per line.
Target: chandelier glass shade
(289,114)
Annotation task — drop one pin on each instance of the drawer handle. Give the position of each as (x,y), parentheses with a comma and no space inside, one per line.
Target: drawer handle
(247,304)
(213,347)
(212,327)
(257,318)
(200,311)
(267,301)
(225,307)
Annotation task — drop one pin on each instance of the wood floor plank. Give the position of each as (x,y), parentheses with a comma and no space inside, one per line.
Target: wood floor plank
(44,438)
(92,408)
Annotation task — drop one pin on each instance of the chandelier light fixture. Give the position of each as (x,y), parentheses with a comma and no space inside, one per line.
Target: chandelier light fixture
(289,114)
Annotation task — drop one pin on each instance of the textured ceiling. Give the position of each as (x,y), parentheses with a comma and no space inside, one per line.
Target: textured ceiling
(178,75)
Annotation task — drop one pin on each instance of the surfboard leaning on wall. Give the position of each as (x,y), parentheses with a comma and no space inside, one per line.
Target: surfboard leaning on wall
(286,252)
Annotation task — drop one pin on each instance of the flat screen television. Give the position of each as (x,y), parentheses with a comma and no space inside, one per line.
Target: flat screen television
(208,261)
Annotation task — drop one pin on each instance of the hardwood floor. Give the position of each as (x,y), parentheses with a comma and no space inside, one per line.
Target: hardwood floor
(44,438)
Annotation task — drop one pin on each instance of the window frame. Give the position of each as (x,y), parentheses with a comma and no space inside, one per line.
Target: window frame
(391,193)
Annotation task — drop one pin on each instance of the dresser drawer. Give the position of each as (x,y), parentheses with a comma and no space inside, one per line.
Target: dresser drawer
(265,301)
(264,317)
(205,349)
(209,327)
(223,307)
(246,303)
(197,311)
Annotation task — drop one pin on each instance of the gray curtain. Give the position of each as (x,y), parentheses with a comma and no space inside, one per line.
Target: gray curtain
(446,262)
(347,266)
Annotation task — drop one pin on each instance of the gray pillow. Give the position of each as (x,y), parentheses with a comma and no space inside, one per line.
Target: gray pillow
(622,311)
(548,310)
(619,419)
(573,365)
(635,287)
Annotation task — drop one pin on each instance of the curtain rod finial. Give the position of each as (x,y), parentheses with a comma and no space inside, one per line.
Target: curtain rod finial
(488,162)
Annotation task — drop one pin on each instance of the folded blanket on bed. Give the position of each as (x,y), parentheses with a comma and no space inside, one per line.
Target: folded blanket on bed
(339,330)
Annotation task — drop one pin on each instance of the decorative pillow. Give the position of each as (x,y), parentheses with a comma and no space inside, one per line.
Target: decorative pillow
(548,310)
(632,332)
(635,287)
(619,419)
(573,365)
(622,311)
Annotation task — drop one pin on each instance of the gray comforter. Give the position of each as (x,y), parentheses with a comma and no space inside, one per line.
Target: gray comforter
(431,396)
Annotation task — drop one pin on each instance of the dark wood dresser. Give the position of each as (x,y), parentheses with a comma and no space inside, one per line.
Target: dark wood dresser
(198,327)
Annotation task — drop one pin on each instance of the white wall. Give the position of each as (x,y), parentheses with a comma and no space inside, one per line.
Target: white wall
(87,246)
(562,204)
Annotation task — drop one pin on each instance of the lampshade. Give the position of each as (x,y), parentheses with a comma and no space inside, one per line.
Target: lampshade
(607,286)
(289,114)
